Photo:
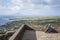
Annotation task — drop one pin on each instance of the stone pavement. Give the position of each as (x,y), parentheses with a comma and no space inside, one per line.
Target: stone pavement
(40,35)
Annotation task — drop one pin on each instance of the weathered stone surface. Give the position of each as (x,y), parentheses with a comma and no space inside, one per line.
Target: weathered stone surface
(36,34)
(40,35)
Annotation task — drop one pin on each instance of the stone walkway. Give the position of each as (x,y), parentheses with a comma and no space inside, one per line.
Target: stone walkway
(39,35)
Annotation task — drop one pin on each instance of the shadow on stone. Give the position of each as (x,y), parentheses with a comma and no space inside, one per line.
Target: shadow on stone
(49,29)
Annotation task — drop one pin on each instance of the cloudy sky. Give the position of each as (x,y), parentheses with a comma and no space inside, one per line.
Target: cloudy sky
(30,7)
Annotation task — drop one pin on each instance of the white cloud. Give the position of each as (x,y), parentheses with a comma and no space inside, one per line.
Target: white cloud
(9,10)
(28,7)
(22,4)
(48,1)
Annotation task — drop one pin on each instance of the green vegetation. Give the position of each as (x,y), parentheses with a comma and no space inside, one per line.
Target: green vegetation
(43,20)
(17,22)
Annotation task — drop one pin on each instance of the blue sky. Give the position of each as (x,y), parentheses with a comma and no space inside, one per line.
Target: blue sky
(30,8)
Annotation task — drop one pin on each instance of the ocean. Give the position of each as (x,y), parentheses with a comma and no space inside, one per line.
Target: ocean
(4,20)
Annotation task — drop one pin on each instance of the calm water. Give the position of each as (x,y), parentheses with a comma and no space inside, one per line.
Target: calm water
(4,20)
